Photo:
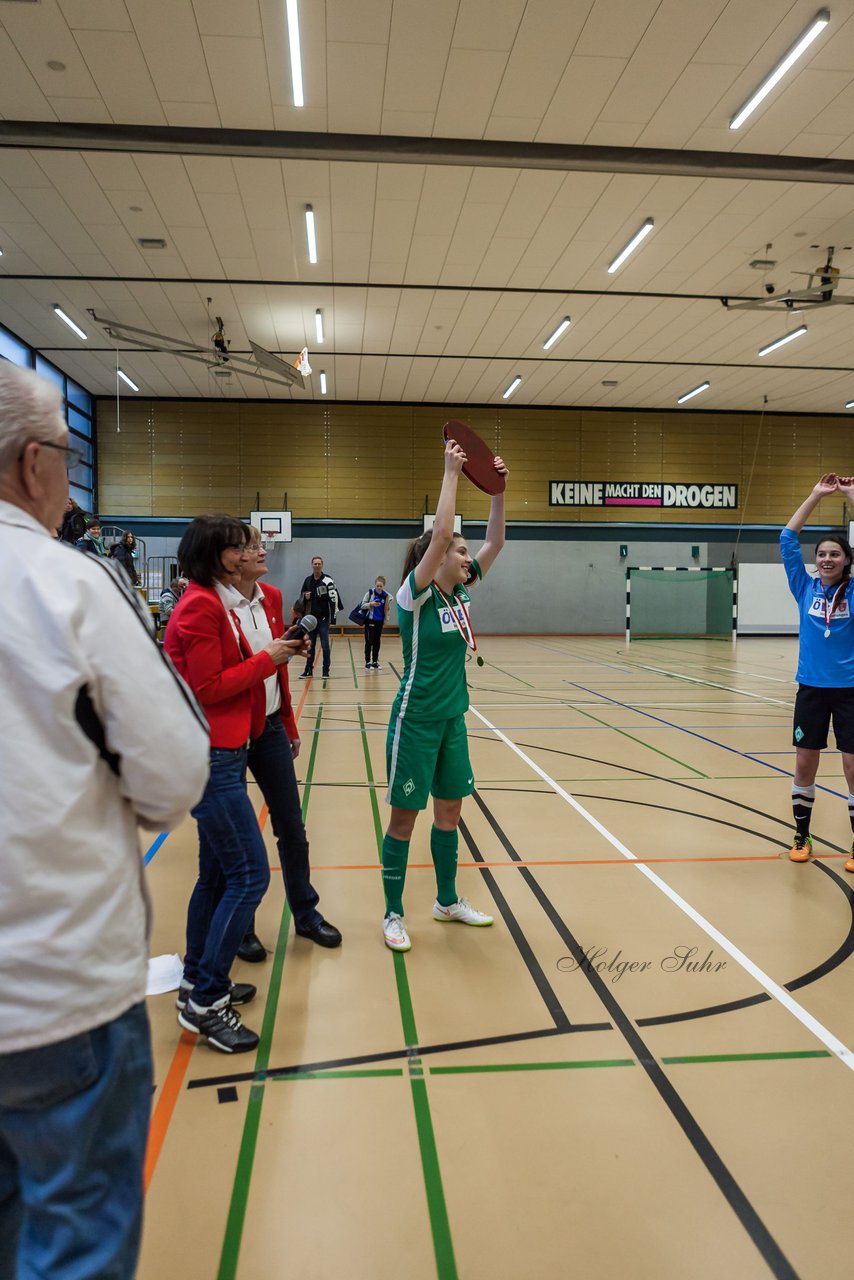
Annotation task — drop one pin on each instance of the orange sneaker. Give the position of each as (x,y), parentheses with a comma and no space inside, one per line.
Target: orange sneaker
(801,850)
(849,866)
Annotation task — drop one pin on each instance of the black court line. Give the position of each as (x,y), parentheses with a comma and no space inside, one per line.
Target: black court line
(541,982)
(843,951)
(750,1220)
(391,1055)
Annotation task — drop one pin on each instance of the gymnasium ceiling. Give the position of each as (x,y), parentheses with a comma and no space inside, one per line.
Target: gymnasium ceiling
(473,165)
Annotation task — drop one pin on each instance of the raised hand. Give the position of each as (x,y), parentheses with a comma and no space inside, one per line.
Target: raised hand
(454,458)
(500,466)
(828,484)
(845,485)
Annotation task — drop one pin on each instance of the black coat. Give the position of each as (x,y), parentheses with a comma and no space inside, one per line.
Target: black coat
(124,556)
(73,525)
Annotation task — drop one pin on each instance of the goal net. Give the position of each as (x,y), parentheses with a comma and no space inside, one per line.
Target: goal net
(672,603)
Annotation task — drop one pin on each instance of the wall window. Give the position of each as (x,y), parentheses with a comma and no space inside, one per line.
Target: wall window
(77,404)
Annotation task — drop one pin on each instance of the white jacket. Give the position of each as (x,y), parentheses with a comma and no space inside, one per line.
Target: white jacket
(78,662)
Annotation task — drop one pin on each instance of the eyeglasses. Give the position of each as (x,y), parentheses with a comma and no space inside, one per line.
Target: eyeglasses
(73,457)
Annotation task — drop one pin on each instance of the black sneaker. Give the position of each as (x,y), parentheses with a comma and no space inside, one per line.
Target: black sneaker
(240,993)
(304,675)
(220,1025)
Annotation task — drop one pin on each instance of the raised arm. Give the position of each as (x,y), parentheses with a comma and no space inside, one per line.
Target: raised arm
(495,525)
(827,485)
(443,525)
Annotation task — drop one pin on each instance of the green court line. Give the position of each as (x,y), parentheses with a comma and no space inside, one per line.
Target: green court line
(639,741)
(352,663)
(246,1156)
(532,1066)
(749,1057)
(508,673)
(443,1248)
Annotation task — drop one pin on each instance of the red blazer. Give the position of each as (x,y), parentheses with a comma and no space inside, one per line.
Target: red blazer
(227,679)
(275,618)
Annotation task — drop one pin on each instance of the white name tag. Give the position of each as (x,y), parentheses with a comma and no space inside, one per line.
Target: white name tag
(446,622)
(816,609)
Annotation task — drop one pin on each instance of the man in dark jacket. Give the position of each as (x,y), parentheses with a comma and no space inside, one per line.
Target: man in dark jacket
(320,595)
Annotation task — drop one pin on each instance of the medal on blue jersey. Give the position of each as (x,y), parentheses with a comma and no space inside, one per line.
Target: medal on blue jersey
(469,638)
(840,591)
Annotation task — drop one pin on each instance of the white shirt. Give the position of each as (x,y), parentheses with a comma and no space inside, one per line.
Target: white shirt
(73,905)
(257,631)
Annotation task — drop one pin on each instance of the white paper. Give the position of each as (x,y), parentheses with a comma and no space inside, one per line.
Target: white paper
(164,974)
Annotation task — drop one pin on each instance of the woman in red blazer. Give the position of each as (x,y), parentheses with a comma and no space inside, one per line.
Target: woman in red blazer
(205,641)
(271,760)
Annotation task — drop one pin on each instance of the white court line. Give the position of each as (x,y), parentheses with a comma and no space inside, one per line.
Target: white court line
(841,1051)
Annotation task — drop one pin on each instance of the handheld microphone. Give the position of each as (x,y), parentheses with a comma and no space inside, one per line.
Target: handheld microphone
(307,624)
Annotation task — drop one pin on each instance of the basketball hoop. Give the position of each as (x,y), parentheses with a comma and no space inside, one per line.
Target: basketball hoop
(268,544)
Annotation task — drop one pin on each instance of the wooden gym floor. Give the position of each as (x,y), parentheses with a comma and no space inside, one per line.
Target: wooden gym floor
(641,1071)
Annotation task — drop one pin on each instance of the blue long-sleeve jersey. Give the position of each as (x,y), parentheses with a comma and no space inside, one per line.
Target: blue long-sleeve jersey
(824,661)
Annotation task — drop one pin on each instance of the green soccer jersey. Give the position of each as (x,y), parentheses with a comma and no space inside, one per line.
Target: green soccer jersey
(433,686)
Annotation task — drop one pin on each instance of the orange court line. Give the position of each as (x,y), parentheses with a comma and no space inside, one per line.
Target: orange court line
(166,1102)
(572,862)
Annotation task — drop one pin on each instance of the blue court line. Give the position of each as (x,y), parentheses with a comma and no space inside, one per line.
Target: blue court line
(712,742)
(154,847)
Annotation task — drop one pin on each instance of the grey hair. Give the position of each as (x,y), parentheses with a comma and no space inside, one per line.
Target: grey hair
(30,409)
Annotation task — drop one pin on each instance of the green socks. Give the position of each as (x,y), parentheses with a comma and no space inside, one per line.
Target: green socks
(395,856)
(443,847)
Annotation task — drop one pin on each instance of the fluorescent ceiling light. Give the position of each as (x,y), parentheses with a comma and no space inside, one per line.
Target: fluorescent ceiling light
(558,333)
(689,395)
(639,235)
(781,342)
(513,385)
(323,382)
(318,324)
(815,29)
(1,253)
(310,233)
(59,311)
(125,378)
(850,404)
(296,59)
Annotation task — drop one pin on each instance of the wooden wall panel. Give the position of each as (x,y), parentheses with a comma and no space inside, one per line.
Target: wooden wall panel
(361,461)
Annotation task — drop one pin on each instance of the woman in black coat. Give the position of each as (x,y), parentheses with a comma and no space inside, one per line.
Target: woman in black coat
(73,524)
(124,553)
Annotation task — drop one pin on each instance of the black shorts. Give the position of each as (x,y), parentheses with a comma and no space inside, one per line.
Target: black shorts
(814,710)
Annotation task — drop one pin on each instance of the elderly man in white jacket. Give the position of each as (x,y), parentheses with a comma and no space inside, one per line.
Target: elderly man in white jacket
(98,735)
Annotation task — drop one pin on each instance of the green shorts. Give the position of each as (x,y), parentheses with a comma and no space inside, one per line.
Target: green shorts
(427,757)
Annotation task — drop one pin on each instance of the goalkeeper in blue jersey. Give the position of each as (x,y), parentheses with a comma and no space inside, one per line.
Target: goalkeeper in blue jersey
(427,748)
(825,672)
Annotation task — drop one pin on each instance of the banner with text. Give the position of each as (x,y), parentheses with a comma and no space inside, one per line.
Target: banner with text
(632,493)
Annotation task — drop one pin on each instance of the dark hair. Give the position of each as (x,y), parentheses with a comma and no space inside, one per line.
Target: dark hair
(417,550)
(846,548)
(200,550)
(128,533)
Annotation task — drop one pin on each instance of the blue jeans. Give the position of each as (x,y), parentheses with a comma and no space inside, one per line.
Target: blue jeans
(322,630)
(271,763)
(73,1127)
(231,848)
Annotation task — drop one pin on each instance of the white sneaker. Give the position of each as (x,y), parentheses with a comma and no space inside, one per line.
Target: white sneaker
(462,911)
(394,932)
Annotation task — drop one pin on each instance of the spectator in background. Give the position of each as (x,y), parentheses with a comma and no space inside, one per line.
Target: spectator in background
(321,599)
(169,597)
(75,1057)
(92,540)
(73,522)
(124,551)
(378,602)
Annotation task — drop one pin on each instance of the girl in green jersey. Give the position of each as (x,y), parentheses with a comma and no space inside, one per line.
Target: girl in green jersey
(427,749)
